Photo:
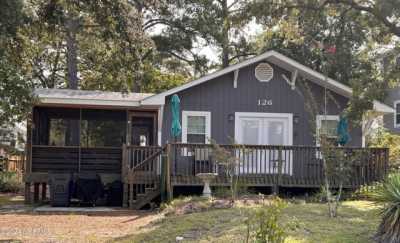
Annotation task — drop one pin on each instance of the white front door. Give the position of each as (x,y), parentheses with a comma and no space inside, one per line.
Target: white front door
(264,129)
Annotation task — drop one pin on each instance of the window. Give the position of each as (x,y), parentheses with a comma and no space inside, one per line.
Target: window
(196,126)
(327,126)
(397,114)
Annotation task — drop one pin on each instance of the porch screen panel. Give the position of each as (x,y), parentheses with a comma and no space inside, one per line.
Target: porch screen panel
(55,140)
(102,128)
(57,127)
(102,134)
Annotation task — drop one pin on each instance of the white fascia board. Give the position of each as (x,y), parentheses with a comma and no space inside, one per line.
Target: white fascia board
(383,108)
(279,60)
(93,102)
(313,75)
(156,99)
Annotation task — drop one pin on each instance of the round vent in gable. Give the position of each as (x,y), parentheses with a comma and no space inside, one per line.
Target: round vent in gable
(264,72)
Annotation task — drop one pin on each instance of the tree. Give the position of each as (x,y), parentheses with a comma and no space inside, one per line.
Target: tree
(94,41)
(189,25)
(15,90)
(302,32)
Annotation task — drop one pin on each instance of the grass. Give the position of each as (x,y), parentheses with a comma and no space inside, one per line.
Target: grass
(10,199)
(356,222)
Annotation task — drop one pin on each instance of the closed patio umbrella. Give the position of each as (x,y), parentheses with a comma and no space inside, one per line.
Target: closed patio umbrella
(176,128)
(343,131)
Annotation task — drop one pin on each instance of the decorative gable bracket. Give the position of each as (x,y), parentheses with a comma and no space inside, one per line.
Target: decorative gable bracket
(292,81)
(235,78)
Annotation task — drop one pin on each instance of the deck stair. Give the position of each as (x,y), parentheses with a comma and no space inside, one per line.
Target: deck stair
(141,175)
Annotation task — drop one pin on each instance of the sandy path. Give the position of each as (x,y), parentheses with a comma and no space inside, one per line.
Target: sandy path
(70,228)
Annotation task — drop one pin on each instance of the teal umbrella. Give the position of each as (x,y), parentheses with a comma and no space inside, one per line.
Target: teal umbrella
(343,131)
(176,128)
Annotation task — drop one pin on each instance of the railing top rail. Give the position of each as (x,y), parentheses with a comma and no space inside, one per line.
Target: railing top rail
(271,146)
(74,147)
(143,147)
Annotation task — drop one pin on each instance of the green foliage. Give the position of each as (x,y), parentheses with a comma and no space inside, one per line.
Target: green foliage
(9,182)
(263,224)
(192,24)
(221,192)
(389,194)
(385,139)
(15,90)
(337,165)
(228,160)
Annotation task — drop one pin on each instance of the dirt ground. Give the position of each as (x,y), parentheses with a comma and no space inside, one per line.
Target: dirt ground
(27,226)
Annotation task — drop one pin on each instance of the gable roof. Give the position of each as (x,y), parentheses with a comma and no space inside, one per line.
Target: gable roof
(279,60)
(89,97)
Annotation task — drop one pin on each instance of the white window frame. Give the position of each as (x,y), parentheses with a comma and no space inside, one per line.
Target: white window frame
(395,104)
(205,114)
(321,118)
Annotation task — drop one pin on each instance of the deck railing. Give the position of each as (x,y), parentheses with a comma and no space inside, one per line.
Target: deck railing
(292,166)
(141,173)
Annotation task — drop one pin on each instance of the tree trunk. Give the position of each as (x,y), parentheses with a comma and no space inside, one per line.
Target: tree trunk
(225,34)
(73,126)
(72,53)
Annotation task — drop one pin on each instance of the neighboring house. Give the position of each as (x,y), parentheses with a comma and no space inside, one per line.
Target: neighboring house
(391,121)
(12,137)
(265,102)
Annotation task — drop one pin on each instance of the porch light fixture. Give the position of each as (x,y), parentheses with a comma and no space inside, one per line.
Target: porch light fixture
(296,119)
(231,117)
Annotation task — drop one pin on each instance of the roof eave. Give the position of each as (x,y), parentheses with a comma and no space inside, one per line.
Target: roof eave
(91,102)
(382,108)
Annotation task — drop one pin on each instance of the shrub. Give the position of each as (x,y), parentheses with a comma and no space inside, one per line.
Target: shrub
(263,225)
(385,139)
(389,194)
(9,182)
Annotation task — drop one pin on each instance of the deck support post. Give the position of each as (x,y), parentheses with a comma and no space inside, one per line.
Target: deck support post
(28,199)
(125,195)
(131,195)
(36,192)
(44,191)
(168,174)
(163,177)
(125,164)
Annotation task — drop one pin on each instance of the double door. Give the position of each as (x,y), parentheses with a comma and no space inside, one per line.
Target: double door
(264,129)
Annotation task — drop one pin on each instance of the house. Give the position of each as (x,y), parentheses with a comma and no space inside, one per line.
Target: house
(12,137)
(12,146)
(271,103)
(391,121)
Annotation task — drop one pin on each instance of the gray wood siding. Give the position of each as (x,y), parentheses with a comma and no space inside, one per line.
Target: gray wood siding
(220,98)
(388,119)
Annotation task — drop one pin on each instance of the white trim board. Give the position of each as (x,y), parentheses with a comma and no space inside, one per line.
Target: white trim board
(78,101)
(279,60)
(185,115)
(395,124)
(288,116)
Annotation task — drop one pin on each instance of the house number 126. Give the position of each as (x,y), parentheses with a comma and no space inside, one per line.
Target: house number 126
(264,102)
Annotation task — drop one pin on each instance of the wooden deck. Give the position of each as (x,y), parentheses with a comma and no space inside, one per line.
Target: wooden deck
(285,166)
(146,169)
(148,172)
